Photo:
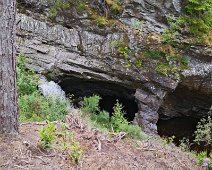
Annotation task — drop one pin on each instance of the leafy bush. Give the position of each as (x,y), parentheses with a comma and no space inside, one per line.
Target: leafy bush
(102,118)
(27,81)
(32,105)
(69,144)
(62,140)
(116,123)
(91,104)
(199,16)
(117,119)
(185,144)
(119,123)
(101,21)
(168,140)
(154,54)
(115,5)
(47,136)
(204,160)
(203,134)
(35,107)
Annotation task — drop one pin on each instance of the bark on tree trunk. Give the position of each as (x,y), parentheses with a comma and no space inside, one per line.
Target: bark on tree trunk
(8,94)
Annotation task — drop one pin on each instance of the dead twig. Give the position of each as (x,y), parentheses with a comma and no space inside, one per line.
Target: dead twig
(39,157)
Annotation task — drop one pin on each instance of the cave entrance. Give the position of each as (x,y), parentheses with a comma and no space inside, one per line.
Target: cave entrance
(180,127)
(109,92)
(180,113)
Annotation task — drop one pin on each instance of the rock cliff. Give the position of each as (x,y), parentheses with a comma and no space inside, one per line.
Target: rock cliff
(80,54)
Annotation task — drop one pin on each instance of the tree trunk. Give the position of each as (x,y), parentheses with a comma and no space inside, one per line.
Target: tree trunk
(8,94)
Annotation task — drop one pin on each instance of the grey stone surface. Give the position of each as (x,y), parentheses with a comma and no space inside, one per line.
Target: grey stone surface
(83,51)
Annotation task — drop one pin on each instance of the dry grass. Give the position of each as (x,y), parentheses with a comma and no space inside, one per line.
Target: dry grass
(100,151)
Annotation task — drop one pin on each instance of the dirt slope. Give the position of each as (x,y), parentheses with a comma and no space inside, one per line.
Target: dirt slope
(99,153)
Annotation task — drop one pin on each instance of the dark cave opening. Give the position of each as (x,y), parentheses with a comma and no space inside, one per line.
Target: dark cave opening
(109,92)
(180,113)
(179,127)
(129,106)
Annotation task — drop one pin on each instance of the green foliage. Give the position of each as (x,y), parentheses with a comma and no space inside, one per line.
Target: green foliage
(103,118)
(91,104)
(35,107)
(167,70)
(69,144)
(117,118)
(185,144)
(101,21)
(184,61)
(59,5)
(124,51)
(202,157)
(119,123)
(174,27)
(168,140)
(154,54)
(203,134)
(27,81)
(32,105)
(63,140)
(138,63)
(137,25)
(116,123)
(81,6)
(198,16)
(121,47)
(47,136)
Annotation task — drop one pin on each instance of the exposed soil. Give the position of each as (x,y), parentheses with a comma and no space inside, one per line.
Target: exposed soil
(99,152)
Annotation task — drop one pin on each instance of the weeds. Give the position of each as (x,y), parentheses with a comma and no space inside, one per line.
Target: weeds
(69,144)
(91,104)
(204,160)
(203,134)
(62,140)
(116,123)
(47,136)
(32,105)
(168,140)
(185,144)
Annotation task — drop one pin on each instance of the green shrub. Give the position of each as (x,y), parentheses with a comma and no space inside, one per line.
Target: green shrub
(69,144)
(35,107)
(103,118)
(27,81)
(117,118)
(167,70)
(203,134)
(119,123)
(168,140)
(32,105)
(204,160)
(185,144)
(47,136)
(198,16)
(81,6)
(114,5)
(154,54)
(91,104)
(124,51)
(101,21)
